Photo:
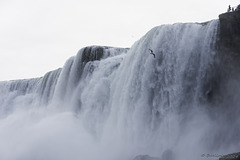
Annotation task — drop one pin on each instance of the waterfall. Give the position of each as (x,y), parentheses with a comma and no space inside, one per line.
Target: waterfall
(116,103)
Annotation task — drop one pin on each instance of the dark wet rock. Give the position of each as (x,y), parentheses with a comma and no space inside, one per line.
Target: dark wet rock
(221,84)
(233,156)
(229,31)
(92,53)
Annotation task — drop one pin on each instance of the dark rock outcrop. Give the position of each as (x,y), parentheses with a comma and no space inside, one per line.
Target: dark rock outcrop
(225,70)
(229,39)
(93,53)
(233,156)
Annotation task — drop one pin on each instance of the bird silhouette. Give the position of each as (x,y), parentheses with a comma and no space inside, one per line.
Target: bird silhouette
(151,52)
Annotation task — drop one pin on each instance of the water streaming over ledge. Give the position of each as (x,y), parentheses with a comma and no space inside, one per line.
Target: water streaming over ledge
(114,103)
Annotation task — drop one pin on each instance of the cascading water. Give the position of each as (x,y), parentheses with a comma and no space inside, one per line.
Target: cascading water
(112,103)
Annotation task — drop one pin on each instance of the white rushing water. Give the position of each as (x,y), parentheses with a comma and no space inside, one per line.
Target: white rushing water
(114,104)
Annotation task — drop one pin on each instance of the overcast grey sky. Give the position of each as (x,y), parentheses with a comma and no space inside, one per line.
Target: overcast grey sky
(37,36)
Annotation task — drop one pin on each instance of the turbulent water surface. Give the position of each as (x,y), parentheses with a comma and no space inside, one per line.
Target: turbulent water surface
(115,103)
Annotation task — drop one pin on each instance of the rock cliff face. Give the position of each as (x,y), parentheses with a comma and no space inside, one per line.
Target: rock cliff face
(230,31)
(227,66)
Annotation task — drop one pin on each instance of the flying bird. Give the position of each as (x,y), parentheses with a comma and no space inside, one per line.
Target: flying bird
(151,52)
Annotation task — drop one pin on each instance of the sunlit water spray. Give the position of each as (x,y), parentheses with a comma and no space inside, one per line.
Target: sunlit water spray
(114,104)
